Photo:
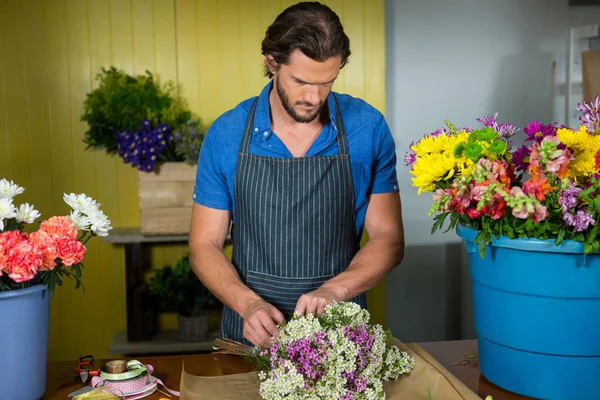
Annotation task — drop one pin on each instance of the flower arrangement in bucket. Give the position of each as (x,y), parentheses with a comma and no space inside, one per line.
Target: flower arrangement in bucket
(336,355)
(54,251)
(32,263)
(529,216)
(544,189)
(143,121)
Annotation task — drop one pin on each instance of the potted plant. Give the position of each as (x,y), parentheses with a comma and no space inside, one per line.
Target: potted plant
(529,217)
(32,263)
(150,127)
(178,289)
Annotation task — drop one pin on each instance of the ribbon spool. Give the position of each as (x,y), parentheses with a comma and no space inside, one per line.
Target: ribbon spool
(119,370)
(116,366)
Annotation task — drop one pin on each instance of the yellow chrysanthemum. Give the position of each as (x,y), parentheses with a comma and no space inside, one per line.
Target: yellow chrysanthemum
(431,168)
(438,144)
(584,146)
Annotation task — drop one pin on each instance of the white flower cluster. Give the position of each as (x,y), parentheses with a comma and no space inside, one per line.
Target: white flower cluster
(345,358)
(25,213)
(86,214)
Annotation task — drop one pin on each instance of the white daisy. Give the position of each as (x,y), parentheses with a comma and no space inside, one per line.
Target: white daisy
(26,213)
(81,202)
(82,223)
(9,189)
(99,223)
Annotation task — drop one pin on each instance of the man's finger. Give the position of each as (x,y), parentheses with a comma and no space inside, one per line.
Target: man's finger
(277,315)
(301,305)
(269,325)
(321,307)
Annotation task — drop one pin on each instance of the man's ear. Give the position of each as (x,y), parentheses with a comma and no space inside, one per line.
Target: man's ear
(271,64)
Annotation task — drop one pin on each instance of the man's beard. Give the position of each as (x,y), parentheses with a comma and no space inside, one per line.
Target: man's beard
(285,101)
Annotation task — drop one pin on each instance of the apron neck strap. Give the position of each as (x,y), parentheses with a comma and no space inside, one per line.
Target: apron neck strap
(341,136)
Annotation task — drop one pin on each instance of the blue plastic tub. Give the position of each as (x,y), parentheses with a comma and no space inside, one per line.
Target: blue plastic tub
(537,316)
(23,342)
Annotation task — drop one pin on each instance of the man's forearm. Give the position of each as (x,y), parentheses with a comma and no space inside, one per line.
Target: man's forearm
(219,275)
(371,264)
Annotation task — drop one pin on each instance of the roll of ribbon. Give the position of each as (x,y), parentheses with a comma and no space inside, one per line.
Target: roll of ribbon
(116,366)
(133,370)
(137,388)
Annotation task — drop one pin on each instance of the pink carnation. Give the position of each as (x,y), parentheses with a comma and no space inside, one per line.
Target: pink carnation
(3,261)
(24,259)
(47,244)
(59,226)
(9,239)
(70,251)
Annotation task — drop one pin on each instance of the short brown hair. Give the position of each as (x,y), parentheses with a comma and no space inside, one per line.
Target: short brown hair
(312,28)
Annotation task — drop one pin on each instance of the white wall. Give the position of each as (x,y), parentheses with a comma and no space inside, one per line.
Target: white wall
(463,59)
(459,60)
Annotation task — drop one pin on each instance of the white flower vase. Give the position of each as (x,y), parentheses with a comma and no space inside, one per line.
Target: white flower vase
(24,342)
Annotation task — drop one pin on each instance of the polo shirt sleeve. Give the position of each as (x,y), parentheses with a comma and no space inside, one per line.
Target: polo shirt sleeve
(384,179)
(211,185)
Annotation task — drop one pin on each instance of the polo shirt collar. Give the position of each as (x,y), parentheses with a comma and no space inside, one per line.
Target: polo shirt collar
(262,117)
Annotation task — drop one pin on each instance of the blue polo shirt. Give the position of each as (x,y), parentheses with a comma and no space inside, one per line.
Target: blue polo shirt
(370,145)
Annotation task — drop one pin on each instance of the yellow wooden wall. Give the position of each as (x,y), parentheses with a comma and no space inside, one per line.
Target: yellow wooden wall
(50,51)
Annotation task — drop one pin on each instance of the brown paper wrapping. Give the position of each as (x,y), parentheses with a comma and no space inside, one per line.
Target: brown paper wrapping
(443,385)
(590,64)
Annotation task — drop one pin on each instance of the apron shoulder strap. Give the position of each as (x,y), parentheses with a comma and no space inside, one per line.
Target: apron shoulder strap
(245,144)
(341,136)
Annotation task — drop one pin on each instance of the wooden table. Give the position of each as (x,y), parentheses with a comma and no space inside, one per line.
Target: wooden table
(168,369)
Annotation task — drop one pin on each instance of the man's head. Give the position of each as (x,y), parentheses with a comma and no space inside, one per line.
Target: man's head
(304,50)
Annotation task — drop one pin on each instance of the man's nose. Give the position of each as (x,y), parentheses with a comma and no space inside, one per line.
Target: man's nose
(311,95)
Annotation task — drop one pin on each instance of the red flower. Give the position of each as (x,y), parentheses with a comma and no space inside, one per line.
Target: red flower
(9,239)
(24,259)
(473,213)
(3,260)
(69,250)
(597,158)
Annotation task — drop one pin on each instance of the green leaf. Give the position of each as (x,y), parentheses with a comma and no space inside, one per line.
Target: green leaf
(561,236)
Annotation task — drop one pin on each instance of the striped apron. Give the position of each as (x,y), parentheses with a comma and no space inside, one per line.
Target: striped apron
(295,224)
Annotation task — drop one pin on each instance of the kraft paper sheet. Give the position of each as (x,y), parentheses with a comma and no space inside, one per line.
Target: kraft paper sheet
(443,385)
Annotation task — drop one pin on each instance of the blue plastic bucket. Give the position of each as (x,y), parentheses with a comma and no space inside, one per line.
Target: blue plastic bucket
(23,342)
(537,316)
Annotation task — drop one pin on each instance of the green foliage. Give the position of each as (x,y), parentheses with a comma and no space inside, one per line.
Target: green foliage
(178,289)
(122,101)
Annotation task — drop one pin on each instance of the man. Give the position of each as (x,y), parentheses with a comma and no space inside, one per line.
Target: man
(300,170)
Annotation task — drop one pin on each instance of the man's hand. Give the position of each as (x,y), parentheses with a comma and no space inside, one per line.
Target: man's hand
(315,302)
(260,323)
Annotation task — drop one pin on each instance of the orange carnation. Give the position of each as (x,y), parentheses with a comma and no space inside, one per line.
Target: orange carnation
(70,251)
(47,245)
(24,259)
(59,226)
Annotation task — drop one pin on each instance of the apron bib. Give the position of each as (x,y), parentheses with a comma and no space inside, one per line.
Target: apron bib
(295,225)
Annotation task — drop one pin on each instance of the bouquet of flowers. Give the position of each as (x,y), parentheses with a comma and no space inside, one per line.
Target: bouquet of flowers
(337,355)
(54,251)
(546,189)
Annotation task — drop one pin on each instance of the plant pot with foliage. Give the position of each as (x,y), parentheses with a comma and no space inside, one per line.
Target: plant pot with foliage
(149,126)
(178,289)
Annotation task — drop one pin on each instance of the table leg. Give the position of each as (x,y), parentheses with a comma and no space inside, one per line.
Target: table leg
(141,318)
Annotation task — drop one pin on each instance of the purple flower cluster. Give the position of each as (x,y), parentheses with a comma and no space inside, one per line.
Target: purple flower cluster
(142,148)
(591,115)
(581,219)
(504,130)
